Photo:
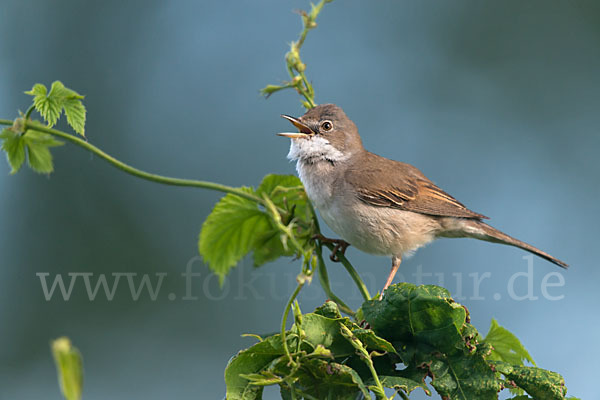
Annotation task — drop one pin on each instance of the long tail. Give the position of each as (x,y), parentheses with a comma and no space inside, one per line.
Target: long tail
(481,230)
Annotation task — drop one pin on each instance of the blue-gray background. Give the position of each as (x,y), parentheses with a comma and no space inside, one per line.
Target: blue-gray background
(496,102)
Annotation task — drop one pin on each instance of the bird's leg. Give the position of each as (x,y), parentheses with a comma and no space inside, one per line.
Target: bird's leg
(339,246)
(395,265)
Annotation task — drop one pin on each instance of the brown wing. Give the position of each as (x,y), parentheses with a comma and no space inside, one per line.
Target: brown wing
(388,183)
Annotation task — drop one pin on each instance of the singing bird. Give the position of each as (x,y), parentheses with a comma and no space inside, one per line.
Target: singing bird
(375,204)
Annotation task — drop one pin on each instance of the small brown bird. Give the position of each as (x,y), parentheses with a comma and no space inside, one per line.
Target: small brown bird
(378,205)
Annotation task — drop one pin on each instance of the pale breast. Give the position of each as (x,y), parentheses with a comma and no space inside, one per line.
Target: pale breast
(318,180)
(375,230)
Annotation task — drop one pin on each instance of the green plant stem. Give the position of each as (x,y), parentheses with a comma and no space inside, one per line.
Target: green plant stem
(28,112)
(286,312)
(353,273)
(364,355)
(324,280)
(137,172)
(316,9)
(402,394)
(6,122)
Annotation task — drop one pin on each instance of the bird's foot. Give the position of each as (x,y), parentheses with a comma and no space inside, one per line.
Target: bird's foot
(339,247)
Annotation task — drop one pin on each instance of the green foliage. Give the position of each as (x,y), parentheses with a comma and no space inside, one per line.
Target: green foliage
(51,105)
(506,346)
(434,338)
(35,144)
(238,226)
(70,368)
(538,383)
(326,362)
(21,142)
(420,327)
(14,147)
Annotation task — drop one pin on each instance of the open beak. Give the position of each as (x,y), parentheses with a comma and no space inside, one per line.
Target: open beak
(304,130)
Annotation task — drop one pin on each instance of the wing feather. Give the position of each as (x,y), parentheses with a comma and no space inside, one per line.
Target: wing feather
(388,183)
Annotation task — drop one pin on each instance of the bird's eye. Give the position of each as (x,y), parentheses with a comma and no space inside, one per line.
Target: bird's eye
(326,126)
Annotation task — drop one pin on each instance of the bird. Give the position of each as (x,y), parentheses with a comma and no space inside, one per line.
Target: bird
(378,205)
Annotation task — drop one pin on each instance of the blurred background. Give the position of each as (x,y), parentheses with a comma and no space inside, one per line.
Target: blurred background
(496,102)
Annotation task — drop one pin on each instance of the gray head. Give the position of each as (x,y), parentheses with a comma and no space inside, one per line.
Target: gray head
(325,133)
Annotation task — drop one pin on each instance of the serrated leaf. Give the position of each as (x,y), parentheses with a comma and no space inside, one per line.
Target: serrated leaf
(238,226)
(14,147)
(37,90)
(75,112)
(286,192)
(431,333)
(507,347)
(424,313)
(538,383)
(434,339)
(463,377)
(50,105)
(247,362)
(230,232)
(269,247)
(38,146)
(70,368)
(320,330)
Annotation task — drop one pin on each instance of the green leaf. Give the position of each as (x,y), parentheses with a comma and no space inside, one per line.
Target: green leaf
(538,383)
(424,313)
(329,310)
(433,337)
(431,333)
(230,232)
(330,380)
(248,362)
(37,90)
(463,377)
(264,379)
(38,146)
(50,105)
(238,226)
(405,384)
(506,346)
(269,247)
(373,342)
(70,368)
(286,192)
(75,112)
(14,147)
(270,89)
(320,330)
(322,361)
(33,143)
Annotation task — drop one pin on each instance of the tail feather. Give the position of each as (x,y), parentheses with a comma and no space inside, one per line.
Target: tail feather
(483,231)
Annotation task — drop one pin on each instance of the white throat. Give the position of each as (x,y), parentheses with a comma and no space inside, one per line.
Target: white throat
(317,148)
